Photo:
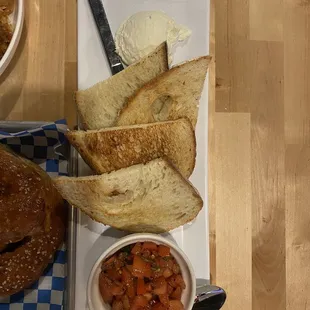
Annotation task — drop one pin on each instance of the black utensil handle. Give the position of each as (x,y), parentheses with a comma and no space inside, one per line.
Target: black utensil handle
(117,68)
(213,303)
(106,35)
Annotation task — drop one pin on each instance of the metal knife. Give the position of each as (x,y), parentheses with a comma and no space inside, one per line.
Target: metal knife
(106,35)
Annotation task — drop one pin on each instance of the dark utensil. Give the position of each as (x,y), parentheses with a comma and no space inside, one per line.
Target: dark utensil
(106,35)
(208,297)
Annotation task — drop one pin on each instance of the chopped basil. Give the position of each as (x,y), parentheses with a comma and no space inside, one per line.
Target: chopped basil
(155,268)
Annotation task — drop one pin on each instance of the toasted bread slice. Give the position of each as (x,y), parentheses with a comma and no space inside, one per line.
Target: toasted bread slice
(114,148)
(171,95)
(152,197)
(100,104)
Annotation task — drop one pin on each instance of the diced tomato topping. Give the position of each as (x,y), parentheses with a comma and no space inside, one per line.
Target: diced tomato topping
(126,276)
(175,305)
(164,299)
(170,289)
(180,282)
(117,305)
(177,293)
(109,261)
(114,274)
(176,269)
(158,272)
(160,286)
(177,280)
(141,268)
(159,306)
(126,302)
(161,262)
(137,248)
(105,288)
(141,288)
(139,302)
(164,263)
(148,287)
(131,290)
(118,297)
(146,254)
(117,288)
(118,263)
(146,278)
(163,250)
(149,246)
(148,296)
(167,273)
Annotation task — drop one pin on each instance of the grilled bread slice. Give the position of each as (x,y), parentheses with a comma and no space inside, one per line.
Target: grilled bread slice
(100,104)
(171,95)
(152,197)
(114,148)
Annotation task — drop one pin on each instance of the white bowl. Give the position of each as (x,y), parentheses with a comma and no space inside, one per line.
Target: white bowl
(94,299)
(17,21)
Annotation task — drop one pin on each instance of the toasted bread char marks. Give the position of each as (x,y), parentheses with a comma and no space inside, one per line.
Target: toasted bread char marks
(171,95)
(100,104)
(152,197)
(120,147)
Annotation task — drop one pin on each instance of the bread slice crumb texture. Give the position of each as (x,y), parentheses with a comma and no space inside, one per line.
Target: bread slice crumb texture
(152,197)
(173,94)
(100,104)
(120,147)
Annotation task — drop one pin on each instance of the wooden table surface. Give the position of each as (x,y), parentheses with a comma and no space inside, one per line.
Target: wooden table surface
(260,154)
(40,81)
(259,135)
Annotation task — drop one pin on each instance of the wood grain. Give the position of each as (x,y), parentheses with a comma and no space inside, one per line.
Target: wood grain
(266,20)
(41,78)
(297,138)
(268,208)
(259,135)
(233,205)
(232,81)
(262,70)
(297,226)
(297,74)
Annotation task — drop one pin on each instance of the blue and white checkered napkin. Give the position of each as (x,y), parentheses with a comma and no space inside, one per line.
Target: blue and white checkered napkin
(39,146)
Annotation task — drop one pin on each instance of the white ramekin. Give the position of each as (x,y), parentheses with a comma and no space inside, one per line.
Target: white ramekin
(94,299)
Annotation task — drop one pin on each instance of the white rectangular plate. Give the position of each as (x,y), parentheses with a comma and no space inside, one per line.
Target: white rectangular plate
(94,238)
